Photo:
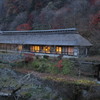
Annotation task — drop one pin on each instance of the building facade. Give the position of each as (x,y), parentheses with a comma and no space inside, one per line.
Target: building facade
(65,42)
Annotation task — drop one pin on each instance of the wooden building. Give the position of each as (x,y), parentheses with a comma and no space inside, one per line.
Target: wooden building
(46,42)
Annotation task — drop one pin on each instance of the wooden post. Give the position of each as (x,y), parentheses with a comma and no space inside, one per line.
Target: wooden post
(86,51)
(97,70)
(98,73)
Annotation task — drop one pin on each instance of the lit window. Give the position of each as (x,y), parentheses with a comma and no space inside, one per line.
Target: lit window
(20,47)
(58,50)
(70,50)
(46,49)
(35,48)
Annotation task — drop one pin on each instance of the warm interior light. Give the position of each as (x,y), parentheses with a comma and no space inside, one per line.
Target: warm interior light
(70,50)
(20,47)
(46,49)
(35,48)
(58,50)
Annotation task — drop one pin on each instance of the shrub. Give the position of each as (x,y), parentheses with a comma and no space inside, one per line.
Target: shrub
(2,66)
(40,65)
(35,64)
(45,56)
(67,67)
(60,56)
(53,69)
(28,59)
(37,57)
(59,64)
(49,66)
(20,64)
(62,66)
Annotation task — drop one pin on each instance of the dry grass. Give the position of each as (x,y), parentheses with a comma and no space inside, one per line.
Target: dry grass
(59,77)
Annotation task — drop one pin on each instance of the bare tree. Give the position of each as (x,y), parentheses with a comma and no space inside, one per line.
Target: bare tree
(19,19)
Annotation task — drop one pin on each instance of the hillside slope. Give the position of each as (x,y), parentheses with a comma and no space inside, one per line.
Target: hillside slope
(52,14)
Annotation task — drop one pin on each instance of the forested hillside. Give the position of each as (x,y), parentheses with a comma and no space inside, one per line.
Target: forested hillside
(52,14)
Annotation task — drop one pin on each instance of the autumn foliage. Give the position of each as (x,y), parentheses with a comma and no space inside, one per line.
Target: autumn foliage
(28,57)
(93,1)
(95,20)
(23,27)
(59,64)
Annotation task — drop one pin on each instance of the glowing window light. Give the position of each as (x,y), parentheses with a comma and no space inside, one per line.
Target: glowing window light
(58,50)
(70,50)
(46,49)
(20,47)
(35,48)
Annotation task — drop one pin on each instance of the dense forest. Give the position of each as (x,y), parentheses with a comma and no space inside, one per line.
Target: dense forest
(52,14)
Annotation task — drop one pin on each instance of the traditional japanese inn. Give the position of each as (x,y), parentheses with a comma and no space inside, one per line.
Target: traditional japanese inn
(66,42)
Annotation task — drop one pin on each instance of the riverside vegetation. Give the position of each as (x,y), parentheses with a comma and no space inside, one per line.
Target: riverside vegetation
(48,66)
(20,86)
(58,83)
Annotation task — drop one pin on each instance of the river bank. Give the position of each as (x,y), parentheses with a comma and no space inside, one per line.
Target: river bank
(35,86)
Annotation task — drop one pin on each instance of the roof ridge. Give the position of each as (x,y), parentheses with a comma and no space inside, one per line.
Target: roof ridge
(51,30)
